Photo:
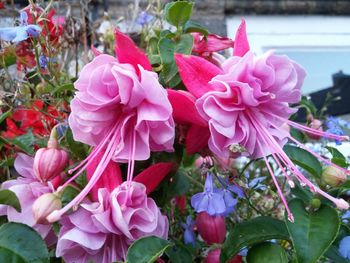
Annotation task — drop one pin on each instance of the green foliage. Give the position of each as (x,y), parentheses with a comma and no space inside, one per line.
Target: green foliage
(20,243)
(69,193)
(304,159)
(24,142)
(178,13)
(191,26)
(267,252)
(337,157)
(252,232)
(147,249)
(167,47)
(8,197)
(179,254)
(312,232)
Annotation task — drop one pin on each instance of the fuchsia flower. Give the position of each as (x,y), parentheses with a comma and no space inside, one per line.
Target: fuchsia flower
(121,109)
(245,104)
(27,188)
(103,230)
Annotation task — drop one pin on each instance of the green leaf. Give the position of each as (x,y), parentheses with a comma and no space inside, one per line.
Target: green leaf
(333,254)
(191,26)
(21,243)
(63,88)
(69,193)
(312,233)
(167,48)
(250,233)
(77,148)
(5,115)
(8,197)
(178,13)
(24,142)
(267,252)
(302,193)
(337,157)
(179,185)
(179,254)
(147,249)
(304,159)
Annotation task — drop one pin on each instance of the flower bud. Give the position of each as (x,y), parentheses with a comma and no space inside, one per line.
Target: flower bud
(316,125)
(49,162)
(333,176)
(45,205)
(214,257)
(211,228)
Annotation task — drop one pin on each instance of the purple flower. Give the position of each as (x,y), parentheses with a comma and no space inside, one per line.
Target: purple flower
(144,18)
(344,247)
(21,32)
(256,183)
(231,187)
(209,201)
(43,60)
(189,236)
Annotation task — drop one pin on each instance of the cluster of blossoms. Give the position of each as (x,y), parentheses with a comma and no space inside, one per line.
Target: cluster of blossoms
(233,107)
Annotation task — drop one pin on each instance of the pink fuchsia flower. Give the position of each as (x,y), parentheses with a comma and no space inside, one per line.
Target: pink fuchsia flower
(121,109)
(210,43)
(102,231)
(27,188)
(246,103)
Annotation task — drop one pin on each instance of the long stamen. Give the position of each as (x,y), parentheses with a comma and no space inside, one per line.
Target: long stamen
(95,151)
(90,158)
(56,215)
(290,215)
(340,203)
(318,156)
(310,130)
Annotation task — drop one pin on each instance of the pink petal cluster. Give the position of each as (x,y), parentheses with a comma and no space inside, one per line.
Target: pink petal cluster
(112,95)
(27,188)
(248,91)
(102,231)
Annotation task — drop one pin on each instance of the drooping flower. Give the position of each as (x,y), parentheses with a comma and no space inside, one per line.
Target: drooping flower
(189,236)
(27,188)
(102,231)
(21,32)
(211,228)
(344,247)
(121,109)
(246,103)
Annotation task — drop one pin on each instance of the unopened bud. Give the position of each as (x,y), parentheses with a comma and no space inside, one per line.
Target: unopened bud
(45,205)
(316,125)
(51,161)
(333,176)
(214,257)
(211,228)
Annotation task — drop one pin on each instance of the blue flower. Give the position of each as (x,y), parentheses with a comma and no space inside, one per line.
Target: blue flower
(43,60)
(346,216)
(230,202)
(209,201)
(334,126)
(189,236)
(21,32)
(144,18)
(231,187)
(256,183)
(344,247)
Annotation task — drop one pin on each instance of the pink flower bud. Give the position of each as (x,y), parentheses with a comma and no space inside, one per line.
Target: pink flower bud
(45,205)
(214,257)
(333,176)
(211,228)
(317,125)
(49,162)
